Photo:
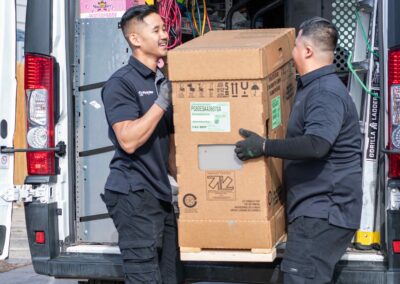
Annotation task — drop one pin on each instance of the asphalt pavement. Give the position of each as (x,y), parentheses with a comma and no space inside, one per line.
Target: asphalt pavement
(26,275)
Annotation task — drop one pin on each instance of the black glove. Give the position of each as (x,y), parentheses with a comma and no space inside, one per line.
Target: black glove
(251,147)
(164,95)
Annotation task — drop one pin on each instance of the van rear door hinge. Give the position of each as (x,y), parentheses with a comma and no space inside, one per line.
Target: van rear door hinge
(26,193)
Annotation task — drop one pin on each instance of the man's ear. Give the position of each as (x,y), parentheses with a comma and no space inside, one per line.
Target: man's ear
(134,39)
(308,51)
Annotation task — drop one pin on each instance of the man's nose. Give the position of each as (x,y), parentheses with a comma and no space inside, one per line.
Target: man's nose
(164,35)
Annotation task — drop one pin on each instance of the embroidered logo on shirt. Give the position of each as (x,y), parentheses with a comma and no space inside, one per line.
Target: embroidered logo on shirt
(145,93)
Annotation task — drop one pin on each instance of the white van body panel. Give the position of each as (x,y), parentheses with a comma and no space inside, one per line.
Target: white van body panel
(61,192)
(8,94)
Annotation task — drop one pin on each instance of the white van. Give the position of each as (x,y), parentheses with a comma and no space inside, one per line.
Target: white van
(70,53)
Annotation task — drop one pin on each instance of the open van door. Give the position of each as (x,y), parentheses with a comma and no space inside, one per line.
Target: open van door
(8,90)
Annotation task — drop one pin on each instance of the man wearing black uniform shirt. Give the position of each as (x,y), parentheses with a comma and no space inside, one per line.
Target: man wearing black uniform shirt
(137,101)
(322,166)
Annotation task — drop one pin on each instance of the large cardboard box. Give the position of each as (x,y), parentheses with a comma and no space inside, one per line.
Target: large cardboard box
(224,81)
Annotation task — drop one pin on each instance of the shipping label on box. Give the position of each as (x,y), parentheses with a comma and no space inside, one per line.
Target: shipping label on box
(210,117)
(276,112)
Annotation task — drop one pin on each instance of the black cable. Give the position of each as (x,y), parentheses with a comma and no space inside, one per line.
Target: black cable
(264,10)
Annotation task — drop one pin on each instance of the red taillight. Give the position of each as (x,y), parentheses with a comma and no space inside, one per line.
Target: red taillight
(39,90)
(40,237)
(394,112)
(396,246)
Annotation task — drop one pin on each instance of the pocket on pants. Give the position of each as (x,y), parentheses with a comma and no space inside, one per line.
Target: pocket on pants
(138,250)
(140,262)
(302,270)
(135,202)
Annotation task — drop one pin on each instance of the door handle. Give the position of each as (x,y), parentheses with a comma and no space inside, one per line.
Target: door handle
(60,149)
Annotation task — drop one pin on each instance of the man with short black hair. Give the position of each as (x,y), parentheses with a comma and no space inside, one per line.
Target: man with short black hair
(322,166)
(137,102)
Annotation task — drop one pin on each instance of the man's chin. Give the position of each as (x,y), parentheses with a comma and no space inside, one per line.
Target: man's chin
(163,52)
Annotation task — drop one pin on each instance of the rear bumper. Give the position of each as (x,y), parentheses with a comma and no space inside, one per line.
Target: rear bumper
(100,266)
(81,266)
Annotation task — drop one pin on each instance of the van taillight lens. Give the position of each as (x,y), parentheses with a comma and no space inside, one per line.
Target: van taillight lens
(39,91)
(40,237)
(396,246)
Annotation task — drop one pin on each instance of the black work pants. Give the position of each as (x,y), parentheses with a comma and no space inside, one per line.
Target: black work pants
(312,250)
(147,236)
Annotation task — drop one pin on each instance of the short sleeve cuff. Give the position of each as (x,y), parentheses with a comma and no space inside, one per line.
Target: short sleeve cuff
(330,138)
(121,116)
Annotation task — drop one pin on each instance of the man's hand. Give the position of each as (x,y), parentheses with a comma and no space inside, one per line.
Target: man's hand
(164,95)
(251,147)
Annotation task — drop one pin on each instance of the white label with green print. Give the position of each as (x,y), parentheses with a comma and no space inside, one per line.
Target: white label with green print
(276,112)
(210,117)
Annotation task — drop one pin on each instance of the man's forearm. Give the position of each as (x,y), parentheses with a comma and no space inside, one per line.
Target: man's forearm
(134,133)
(298,148)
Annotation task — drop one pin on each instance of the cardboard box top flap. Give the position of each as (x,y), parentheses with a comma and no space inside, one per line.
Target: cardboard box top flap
(230,55)
(233,39)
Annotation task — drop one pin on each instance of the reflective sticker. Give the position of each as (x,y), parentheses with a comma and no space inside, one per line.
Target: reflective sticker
(95,104)
(4,161)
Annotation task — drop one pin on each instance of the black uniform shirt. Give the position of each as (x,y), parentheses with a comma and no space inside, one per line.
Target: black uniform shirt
(328,188)
(128,95)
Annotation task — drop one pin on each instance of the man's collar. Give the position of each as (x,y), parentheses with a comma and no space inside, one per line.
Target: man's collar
(140,67)
(313,75)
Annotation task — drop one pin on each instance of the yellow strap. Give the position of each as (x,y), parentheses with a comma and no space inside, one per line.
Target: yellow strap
(149,2)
